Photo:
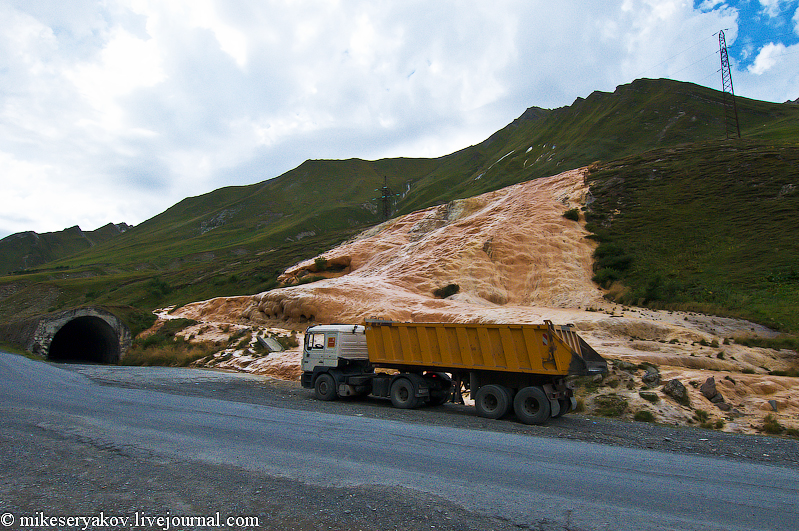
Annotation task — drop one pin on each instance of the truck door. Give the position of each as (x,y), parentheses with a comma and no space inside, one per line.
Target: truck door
(320,350)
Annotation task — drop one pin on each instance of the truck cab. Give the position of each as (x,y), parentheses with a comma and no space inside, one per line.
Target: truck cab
(335,361)
(333,346)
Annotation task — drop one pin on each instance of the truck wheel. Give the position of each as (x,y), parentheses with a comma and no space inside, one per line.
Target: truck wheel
(565,404)
(531,405)
(403,394)
(492,401)
(438,398)
(440,388)
(325,387)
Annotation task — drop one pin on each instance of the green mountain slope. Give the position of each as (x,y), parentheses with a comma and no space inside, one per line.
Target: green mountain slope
(26,250)
(236,240)
(709,226)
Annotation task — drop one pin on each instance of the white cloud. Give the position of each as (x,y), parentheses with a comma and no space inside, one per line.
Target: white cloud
(142,103)
(125,64)
(771,7)
(766,58)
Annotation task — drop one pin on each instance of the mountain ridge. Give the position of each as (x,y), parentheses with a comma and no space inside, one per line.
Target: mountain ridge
(239,239)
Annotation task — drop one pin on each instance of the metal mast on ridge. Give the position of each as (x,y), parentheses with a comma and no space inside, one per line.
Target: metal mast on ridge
(731,126)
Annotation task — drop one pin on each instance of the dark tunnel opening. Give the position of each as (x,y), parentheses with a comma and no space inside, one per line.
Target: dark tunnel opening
(85,339)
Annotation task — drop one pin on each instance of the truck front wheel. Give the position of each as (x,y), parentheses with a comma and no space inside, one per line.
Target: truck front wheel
(531,405)
(403,394)
(325,387)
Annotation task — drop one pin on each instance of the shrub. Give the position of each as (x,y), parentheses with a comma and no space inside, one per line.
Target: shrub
(606,276)
(288,342)
(169,354)
(446,291)
(307,279)
(158,288)
(772,425)
(611,405)
(644,416)
(320,263)
(572,214)
(793,373)
(609,254)
(649,396)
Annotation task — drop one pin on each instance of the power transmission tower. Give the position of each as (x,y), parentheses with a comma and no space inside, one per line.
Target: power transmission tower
(387,198)
(731,126)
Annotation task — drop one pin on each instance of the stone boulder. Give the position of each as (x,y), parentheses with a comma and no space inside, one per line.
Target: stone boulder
(652,377)
(675,389)
(709,391)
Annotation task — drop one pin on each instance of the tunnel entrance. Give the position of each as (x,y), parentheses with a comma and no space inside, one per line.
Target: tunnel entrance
(85,339)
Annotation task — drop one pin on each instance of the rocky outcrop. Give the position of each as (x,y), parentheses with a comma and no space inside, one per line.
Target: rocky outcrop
(675,389)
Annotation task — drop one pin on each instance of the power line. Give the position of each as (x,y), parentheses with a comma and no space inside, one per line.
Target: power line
(675,55)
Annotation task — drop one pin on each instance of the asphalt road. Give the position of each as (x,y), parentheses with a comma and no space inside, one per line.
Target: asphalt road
(515,480)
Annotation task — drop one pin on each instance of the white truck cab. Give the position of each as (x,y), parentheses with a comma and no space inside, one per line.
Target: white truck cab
(328,345)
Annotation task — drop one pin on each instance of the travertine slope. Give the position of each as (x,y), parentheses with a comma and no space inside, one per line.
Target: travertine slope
(516,259)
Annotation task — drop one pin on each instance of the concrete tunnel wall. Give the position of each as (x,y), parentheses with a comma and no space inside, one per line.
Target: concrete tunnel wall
(88,334)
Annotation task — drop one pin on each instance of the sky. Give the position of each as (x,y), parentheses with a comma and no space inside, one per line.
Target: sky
(115,110)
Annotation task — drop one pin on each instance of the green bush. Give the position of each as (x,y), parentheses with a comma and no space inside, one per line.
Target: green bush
(307,279)
(611,255)
(611,405)
(793,373)
(606,276)
(320,263)
(572,214)
(649,396)
(446,291)
(158,288)
(644,416)
(771,425)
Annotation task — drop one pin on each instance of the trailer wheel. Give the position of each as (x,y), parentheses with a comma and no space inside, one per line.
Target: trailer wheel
(325,387)
(564,404)
(403,394)
(531,405)
(492,401)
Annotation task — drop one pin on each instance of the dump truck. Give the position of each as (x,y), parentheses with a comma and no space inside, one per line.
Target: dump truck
(504,367)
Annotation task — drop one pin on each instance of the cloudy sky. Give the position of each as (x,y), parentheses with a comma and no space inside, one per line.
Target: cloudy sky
(114,110)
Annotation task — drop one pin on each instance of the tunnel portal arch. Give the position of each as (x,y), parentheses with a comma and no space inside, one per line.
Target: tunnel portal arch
(90,334)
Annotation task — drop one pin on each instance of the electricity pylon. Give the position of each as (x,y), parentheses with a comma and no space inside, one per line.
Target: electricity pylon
(730,108)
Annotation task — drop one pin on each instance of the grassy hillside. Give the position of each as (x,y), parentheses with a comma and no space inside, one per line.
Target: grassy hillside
(709,226)
(236,240)
(26,250)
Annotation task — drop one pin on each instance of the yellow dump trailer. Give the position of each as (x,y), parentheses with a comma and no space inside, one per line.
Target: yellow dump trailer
(504,367)
(543,349)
